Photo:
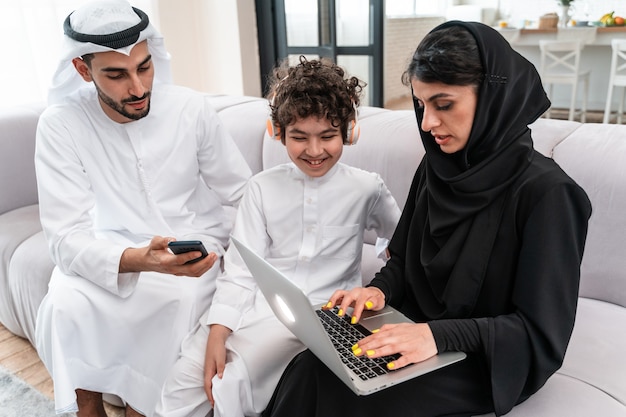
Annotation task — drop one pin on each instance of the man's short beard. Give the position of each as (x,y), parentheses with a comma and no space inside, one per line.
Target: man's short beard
(119,107)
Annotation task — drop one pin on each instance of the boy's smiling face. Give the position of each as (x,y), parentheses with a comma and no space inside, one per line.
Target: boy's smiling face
(314,145)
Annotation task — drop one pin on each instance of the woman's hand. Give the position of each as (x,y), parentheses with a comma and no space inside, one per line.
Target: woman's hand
(414,341)
(369,298)
(215,357)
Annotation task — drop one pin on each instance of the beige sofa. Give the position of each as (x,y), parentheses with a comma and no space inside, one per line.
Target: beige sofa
(592,381)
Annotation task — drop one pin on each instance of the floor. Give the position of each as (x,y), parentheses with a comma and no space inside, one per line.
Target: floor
(20,357)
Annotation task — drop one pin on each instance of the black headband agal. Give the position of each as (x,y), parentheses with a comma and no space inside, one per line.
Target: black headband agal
(114,40)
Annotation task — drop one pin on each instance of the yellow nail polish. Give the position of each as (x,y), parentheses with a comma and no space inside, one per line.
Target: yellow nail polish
(357,351)
(369,352)
(391,365)
(353,320)
(340,312)
(369,305)
(375,330)
(329,305)
(355,347)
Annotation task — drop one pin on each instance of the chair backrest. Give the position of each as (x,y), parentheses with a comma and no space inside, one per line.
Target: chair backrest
(560,58)
(618,62)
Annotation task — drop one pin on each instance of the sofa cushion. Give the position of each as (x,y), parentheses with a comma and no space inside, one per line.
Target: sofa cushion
(16,227)
(28,281)
(566,396)
(591,381)
(603,268)
(595,354)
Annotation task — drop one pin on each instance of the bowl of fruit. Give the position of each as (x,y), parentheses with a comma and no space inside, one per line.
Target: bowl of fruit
(610,19)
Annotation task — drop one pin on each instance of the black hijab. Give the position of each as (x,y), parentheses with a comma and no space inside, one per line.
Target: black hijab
(460,197)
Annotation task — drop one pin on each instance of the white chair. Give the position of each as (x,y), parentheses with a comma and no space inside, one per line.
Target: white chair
(560,64)
(617,78)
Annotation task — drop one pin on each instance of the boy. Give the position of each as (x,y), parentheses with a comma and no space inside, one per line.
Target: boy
(307,217)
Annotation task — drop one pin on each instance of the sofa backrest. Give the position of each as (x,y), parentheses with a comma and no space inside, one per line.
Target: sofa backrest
(571,144)
(590,153)
(244,118)
(395,158)
(604,180)
(18,187)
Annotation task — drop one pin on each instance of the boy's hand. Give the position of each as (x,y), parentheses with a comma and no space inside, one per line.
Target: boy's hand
(215,358)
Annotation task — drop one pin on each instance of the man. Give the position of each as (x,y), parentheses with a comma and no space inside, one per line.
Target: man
(125,164)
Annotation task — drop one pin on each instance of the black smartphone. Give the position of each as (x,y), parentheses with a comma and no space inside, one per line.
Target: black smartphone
(184,246)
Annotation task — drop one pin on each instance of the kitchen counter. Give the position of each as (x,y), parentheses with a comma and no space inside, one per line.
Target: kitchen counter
(603,36)
(596,56)
(600,29)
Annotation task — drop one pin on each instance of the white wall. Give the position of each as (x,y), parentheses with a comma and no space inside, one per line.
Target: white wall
(213,44)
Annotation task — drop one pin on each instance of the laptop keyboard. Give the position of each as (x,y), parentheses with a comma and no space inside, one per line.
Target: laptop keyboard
(345,335)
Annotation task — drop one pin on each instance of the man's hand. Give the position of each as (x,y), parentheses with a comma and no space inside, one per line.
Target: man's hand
(215,358)
(156,257)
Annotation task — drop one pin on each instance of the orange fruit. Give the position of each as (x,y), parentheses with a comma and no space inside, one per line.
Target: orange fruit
(619,20)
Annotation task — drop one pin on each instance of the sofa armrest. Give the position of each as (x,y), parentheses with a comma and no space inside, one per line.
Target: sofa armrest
(18,186)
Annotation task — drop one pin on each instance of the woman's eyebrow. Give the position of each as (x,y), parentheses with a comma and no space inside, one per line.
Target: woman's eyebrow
(434,97)
(438,96)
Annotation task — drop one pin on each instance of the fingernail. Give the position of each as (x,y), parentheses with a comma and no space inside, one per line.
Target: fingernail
(329,305)
(355,347)
(369,304)
(369,352)
(375,330)
(357,351)
(340,312)
(353,320)
(391,365)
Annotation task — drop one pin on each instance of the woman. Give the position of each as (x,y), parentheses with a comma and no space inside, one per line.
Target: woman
(486,256)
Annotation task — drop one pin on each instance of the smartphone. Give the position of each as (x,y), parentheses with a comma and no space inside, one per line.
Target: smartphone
(184,246)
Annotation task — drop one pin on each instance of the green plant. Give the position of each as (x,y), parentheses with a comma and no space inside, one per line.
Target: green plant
(565,2)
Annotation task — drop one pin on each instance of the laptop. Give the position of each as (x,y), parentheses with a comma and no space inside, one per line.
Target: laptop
(310,323)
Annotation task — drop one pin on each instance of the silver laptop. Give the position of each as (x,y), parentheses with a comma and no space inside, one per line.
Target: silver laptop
(309,324)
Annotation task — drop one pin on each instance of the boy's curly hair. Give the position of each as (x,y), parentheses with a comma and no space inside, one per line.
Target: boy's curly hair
(313,88)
